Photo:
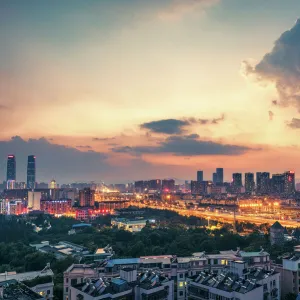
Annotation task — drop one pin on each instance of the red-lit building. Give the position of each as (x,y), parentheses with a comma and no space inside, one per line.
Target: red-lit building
(289,182)
(17,207)
(56,207)
(87,197)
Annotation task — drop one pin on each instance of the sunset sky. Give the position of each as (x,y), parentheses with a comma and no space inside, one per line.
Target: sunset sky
(119,90)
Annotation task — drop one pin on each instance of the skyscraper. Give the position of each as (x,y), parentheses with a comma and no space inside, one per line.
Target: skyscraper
(87,197)
(214,179)
(249,182)
(31,172)
(237,180)
(289,182)
(11,171)
(220,176)
(278,183)
(199,176)
(263,185)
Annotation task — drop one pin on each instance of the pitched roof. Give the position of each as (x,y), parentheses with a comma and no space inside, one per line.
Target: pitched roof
(277,225)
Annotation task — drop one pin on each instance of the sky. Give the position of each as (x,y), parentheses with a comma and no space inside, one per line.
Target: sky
(115,91)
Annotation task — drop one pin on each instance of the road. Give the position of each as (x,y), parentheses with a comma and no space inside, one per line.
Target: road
(224,217)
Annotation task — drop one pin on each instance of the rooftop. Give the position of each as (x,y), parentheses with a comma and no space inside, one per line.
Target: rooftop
(13,290)
(25,276)
(231,282)
(123,261)
(277,225)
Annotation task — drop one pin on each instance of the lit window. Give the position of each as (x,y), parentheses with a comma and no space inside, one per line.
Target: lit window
(180,284)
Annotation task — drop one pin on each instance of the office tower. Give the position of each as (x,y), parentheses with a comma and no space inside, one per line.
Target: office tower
(220,176)
(249,182)
(168,185)
(87,197)
(34,200)
(196,187)
(214,178)
(278,183)
(237,180)
(11,172)
(31,172)
(139,186)
(289,182)
(263,185)
(154,184)
(199,176)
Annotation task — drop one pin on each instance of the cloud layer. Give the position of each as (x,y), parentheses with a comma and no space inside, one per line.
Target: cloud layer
(189,145)
(281,66)
(177,126)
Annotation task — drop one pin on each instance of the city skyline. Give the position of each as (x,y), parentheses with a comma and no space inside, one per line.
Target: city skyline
(118,91)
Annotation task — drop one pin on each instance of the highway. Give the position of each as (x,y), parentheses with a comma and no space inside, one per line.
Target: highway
(222,216)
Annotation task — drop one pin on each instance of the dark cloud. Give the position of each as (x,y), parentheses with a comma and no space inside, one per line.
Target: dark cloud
(103,139)
(282,67)
(185,146)
(177,126)
(168,126)
(295,123)
(84,147)
(271,115)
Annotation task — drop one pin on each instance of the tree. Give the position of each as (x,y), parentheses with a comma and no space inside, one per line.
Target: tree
(290,296)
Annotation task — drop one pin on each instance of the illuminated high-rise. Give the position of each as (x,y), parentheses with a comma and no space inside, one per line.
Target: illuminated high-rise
(11,171)
(87,198)
(249,182)
(289,182)
(31,172)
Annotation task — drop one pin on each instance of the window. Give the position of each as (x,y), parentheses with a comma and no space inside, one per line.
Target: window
(73,282)
(67,280)
(48,292)
(215,261)
(181,293)
(274,283)
(180,284)
(181,276)
(67,289)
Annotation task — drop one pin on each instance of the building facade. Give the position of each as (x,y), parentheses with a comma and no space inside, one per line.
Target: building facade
(31,172)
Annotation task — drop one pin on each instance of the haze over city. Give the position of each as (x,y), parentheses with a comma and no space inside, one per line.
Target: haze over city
(121,90)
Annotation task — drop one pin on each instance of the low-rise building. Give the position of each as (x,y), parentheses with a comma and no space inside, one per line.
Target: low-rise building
(14,290)
(236,281)
(130,286)
(40,282)
(176,268)
(290,273)
(131,225)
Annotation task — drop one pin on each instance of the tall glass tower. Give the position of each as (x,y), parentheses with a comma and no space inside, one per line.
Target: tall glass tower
(11,171)
(31,172)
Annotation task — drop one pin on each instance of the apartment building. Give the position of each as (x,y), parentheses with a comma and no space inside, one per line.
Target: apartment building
(130,286)
(40,282)
(236,281)
(176,268)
